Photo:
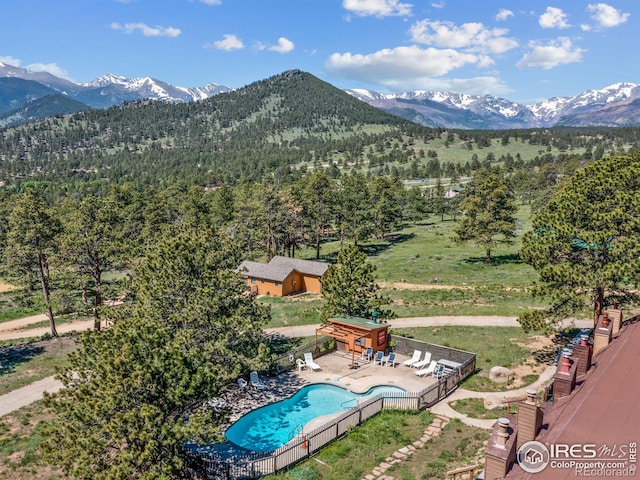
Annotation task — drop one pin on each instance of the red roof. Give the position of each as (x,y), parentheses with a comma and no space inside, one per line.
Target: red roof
(603,410)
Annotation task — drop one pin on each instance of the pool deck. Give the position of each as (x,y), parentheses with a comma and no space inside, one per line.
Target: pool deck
(336,370)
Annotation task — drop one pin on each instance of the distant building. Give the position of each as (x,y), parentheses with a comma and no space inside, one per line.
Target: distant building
(283,276)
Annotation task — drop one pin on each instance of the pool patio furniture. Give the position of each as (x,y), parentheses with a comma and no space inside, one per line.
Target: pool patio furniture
(416,358)
(242,383)
(424,362)
(256,382)
(426,371)
(390,361)
(309,362)
(301,364)
(379,356)
(438,371)
(367,354)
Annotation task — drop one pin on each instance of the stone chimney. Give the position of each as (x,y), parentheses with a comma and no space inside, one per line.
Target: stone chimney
(501,450)
(529,419)
(615,315)
(602,333)
(564,381)
(582,355)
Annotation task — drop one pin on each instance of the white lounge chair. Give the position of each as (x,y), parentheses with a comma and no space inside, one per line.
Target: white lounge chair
(309,362)
(426,371)
(416,358)
(256,381)
(424,362)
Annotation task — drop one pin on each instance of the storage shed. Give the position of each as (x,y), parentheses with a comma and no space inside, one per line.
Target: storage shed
(355,334)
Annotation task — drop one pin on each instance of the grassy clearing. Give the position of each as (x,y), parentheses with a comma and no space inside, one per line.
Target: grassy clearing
(458,445)
(492,345)
(366,446)
(363,448)
(503,346)
(474,408)
(24,363)
(20,439)
(290,311)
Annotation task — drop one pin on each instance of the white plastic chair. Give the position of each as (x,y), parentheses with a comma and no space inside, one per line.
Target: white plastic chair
(424,362)
(256,381)
(416,358)
(308,360)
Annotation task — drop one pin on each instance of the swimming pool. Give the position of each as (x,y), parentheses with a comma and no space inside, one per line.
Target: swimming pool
(269,427)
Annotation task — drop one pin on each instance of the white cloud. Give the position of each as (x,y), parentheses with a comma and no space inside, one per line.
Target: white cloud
(212,2)
(9,60)
(51,68)
(284,46)
(146,30)
(503,14)
(412,68)
(471,36)
(438,5)
(607,16)
(377,8)
(553,18)
(401,65)
(557,52)
(228,42)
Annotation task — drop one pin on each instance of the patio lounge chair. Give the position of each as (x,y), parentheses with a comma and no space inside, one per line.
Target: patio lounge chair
(390,361)
(438,371)
(424,362)
(416,358)
(308,360)
(256,381)
(242,383)
(378,358)
(426,371)
(367,354)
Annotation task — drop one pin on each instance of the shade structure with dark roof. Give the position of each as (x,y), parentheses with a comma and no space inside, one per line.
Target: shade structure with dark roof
(283,275)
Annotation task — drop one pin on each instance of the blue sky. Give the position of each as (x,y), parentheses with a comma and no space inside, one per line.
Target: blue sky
(524,50)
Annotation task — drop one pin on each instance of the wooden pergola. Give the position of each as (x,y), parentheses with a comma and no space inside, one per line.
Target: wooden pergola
(355,334)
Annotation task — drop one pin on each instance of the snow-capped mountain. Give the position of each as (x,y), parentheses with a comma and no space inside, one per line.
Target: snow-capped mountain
(147,87)
(615,105)
(113,89)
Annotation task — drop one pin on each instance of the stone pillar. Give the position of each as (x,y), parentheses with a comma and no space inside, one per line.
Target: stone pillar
(529,419)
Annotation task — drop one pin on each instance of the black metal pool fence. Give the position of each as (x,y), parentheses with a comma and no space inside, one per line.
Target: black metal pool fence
(210,465)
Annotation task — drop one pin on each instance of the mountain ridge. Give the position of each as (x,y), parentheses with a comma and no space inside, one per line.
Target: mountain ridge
(611,106)
(492,112)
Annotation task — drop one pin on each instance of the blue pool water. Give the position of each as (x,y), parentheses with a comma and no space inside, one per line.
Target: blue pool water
(269,427)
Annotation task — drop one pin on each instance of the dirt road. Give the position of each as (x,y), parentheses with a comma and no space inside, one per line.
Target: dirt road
(14,329)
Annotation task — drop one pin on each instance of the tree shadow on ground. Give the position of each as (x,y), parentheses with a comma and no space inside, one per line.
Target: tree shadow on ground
(496,260)
(13,355)
(372,247)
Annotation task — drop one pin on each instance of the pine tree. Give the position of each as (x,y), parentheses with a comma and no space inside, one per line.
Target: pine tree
(585,242)
(489,209)
(350,289)
(136,392)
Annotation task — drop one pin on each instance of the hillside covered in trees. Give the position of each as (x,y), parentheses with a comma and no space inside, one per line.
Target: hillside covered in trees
(278,128)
